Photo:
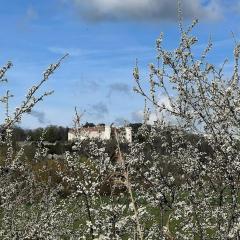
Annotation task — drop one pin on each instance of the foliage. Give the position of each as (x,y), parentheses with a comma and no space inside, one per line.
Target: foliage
(52,133)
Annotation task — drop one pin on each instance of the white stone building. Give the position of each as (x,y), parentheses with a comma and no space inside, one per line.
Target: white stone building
(101,132)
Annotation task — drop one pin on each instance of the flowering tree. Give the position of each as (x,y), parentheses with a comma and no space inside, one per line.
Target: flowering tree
(26,206)
(204,102)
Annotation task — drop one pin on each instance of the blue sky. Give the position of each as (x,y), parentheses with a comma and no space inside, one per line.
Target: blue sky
(103,38)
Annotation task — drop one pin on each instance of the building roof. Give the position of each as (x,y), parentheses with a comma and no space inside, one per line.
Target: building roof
(90,129)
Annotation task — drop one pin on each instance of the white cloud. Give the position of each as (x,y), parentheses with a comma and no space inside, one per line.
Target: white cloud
(99,110)
(150,10)
(138,117)
(154,114)
(75,52)
(118,88)
(30,16)
(40,116)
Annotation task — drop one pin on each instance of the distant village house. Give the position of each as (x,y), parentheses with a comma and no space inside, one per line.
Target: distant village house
(102,132)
